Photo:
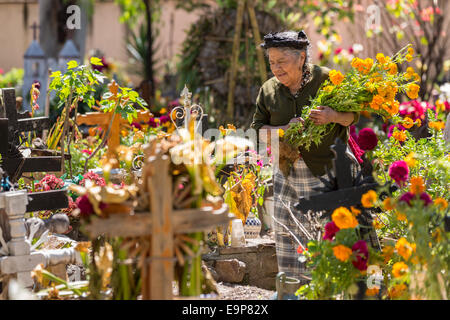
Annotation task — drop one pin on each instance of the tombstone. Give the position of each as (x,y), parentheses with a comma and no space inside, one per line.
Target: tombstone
(68,52)
(35,69)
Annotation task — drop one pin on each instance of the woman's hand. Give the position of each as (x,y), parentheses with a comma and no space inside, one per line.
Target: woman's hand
(294,120)
(323,115)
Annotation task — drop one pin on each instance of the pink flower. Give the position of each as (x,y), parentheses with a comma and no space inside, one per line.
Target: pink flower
(367,139)
(1,71)
(99,181)
(85,206)
(338,50)
(86,151)
(413,109)
(152,123)
(392,127)
(174,103)
(330,231)
(49,182)
(399,172)
(362,255)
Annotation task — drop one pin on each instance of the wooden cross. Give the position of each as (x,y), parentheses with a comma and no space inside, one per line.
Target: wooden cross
(103,120)
(34,26)
(12,124)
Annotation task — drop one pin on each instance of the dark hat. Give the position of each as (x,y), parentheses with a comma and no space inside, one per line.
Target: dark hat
(290,39)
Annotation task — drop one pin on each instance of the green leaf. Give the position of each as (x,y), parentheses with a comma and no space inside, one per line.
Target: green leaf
(96,61)
(72,64)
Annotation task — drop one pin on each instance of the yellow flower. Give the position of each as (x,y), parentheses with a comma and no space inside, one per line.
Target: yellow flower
(413,91)
(231,127)
(343,218)
(399,135)
(436,125)
(409,57)
(328,88)
(336,77)
(387,204)
(404,248)
(411,51)
(417,185)
(381,58)
(280,133)
(342,252)
(368,199)
(441,203)
(399,269)
(408,123)
(163,111)
(440,106)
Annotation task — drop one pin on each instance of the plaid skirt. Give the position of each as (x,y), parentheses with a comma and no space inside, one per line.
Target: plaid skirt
(287,191)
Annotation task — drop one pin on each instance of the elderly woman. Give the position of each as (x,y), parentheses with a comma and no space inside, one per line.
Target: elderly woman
(279,103)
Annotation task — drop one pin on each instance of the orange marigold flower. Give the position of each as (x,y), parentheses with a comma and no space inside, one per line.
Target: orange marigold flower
(399,135)
(387,204)
(397,290)
(355,211)
(436,125)
(418,122)
(409,57)
(408,123)
(393,69)
(381,58)
(372,292)
(413,91)
(410,73)
(342,252)
(401,216)
(399,269)
(411,51)
(417,185)
(441,203)
(336,77)
(368,199)
(343,218)
(404,248)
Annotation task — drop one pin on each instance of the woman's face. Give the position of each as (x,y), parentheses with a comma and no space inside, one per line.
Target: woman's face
(285,66)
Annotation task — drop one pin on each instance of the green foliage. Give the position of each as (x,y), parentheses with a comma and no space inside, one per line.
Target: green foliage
(12,78)
(79,152)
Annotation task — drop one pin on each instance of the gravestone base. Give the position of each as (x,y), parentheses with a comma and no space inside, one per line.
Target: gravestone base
(259,257)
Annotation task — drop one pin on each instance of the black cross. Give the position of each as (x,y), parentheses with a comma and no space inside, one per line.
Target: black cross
(35,26)
(12,124)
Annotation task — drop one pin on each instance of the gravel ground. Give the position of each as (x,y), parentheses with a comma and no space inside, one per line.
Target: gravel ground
(231,291)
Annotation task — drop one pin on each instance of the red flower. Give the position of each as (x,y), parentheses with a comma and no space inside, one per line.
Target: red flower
(399,172)
(85,206)
(152,123)
(362,255)
(49,182)
(367,139)
(164,119)
(137,125)
(330,231)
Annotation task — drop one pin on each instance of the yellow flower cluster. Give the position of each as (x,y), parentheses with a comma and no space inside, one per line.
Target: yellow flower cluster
(413,91)
(342,252)
(343,218)
(230,128)
(363,66)
(441,203)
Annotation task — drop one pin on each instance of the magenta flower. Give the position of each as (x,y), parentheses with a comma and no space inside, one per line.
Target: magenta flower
(399,172)
(362,255)
(152,123)
(86,151)
(407,197)
(164,119)
(137,125)
(330,231)
(367,139)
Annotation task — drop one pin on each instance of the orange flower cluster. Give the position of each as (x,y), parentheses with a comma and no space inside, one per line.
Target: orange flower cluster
(436,125)
(342,252)
(399,135)
(417,185)
(363,66)
(336,77)
(343,218)
(404,248)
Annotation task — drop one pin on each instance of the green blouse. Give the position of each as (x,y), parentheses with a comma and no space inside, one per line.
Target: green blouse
(276,106)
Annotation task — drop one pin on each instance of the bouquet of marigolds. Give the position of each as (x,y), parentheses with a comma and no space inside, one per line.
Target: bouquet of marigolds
(370,86)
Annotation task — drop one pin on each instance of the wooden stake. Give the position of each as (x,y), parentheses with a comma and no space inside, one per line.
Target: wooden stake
(235,58)
(257,37)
